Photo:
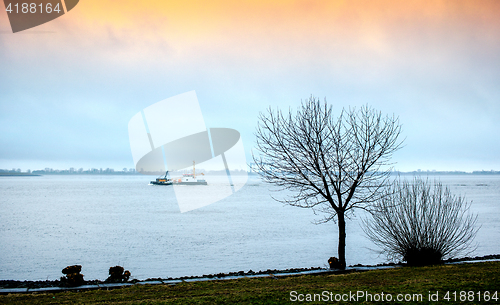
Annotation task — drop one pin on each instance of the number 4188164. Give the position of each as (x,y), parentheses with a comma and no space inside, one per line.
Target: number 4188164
(471,296)
(32,8)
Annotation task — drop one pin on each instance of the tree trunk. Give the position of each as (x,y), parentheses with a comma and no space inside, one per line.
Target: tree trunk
(342,235)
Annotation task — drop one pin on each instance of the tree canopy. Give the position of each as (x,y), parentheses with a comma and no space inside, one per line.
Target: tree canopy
(332,164)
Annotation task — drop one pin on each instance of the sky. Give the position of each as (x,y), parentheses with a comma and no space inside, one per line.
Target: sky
(69,87)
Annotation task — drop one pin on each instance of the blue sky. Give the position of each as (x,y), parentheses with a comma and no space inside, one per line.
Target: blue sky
(69,87)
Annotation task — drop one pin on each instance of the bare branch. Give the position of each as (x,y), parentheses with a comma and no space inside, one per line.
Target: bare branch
(333,165)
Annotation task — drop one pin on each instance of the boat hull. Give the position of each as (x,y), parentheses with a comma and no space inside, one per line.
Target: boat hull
(191,183)
(161,183)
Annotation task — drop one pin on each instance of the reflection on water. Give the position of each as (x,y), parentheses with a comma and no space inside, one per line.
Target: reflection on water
(50,222)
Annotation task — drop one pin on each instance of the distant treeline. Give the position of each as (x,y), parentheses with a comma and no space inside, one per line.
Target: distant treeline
(492,172)
(107,171)
(110,171)
(49,171)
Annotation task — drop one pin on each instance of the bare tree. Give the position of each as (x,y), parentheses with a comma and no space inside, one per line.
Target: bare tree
(421,223)
(333,165)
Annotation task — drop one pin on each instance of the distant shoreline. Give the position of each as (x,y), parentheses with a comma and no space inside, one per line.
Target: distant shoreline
(219,173)
(486,173)
(17,174)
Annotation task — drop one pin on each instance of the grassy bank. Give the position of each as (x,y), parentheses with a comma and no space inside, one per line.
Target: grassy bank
(410,283)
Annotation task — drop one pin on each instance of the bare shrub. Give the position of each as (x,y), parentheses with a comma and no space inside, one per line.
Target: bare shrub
(421,223)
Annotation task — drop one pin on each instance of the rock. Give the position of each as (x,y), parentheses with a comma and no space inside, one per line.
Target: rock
(73,277)
(72,269)
(118,275)
(335,263)
(126,275)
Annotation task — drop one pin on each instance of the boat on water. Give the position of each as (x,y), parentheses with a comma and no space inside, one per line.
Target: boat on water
(162,181)
(187,179)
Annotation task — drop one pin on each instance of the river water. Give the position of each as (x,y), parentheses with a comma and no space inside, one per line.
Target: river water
(50,222)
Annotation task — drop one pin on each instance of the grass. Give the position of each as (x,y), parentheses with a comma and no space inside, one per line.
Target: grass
(475,277)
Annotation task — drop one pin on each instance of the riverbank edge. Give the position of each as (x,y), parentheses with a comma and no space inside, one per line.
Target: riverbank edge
(12,286)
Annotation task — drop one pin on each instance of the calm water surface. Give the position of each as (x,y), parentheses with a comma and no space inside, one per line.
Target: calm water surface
(50,222)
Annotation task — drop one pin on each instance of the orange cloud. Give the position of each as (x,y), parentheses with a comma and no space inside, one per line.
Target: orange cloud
(272,31)
(197,20)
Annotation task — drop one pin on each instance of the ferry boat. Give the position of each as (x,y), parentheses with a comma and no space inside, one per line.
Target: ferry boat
(162,181)
(187,179)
